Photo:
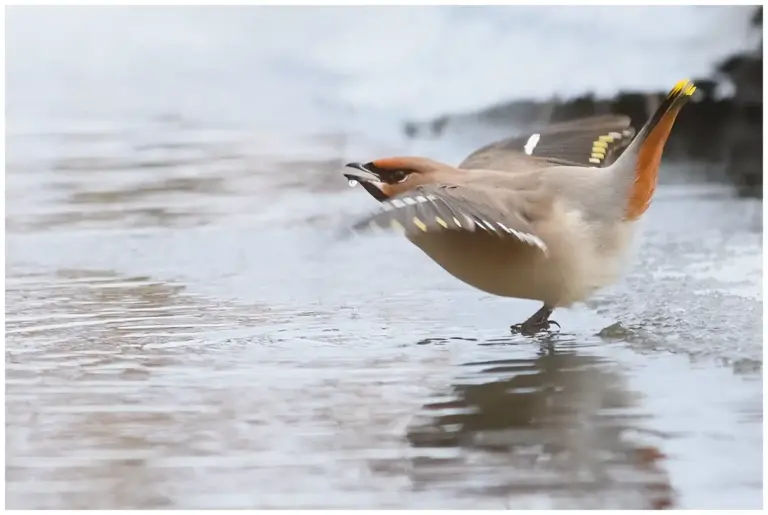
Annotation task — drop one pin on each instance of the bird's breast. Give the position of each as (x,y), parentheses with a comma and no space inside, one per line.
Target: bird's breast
(580,259)
(494,265)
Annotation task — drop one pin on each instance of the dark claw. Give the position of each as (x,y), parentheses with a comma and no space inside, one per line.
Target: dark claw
(539,322)
(533,328)
(526,329)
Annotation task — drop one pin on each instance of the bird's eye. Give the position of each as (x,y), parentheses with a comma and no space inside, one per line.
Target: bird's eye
(399,176)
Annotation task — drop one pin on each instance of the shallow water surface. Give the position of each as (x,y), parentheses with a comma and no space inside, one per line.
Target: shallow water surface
(194,335)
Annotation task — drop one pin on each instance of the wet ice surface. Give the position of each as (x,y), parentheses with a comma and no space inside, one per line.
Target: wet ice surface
(185,329)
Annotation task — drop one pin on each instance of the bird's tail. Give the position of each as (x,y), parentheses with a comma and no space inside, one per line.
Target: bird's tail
(639,164)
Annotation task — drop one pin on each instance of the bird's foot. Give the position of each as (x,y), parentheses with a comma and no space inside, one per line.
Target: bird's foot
(531,327)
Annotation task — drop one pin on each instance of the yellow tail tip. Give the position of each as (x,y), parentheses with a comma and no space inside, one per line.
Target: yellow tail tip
(684,87)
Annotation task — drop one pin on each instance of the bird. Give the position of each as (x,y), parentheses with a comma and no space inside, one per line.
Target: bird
(548,216)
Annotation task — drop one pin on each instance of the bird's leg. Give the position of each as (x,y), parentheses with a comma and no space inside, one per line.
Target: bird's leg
(539,321)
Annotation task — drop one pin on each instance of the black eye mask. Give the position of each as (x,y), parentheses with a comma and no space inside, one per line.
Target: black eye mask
(396,176)
(388,175)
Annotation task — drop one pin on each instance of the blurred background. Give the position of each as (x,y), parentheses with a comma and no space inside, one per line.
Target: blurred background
(183,330)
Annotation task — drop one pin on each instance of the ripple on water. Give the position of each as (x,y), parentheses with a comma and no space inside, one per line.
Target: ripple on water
(117,365)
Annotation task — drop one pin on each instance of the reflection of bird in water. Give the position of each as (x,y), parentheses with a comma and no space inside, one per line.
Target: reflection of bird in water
(559,423)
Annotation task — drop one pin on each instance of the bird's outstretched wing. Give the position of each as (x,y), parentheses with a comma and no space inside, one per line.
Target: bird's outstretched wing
(594,141)
(445,207)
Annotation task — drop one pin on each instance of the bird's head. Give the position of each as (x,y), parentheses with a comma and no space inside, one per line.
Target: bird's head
(388,177)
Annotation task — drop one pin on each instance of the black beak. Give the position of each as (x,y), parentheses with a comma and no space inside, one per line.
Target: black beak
(361,173)
(367,179)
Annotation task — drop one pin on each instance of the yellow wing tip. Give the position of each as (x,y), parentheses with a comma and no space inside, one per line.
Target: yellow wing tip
(684,87)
